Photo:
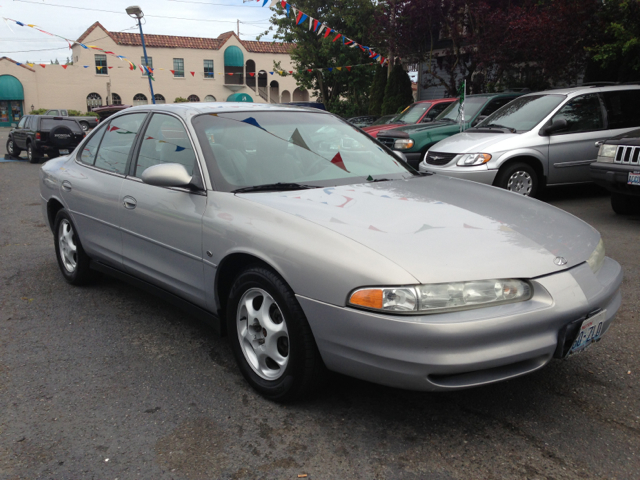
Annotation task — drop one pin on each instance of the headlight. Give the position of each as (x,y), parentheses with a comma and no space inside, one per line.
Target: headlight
(473,159)
(442,297)
(404,144)
(597,257)
(606,153)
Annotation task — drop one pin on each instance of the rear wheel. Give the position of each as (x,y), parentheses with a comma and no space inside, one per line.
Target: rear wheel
(32,154)
(84,125)
(624,204)
(72,260)
(12,149)
(271,338)
(519,178)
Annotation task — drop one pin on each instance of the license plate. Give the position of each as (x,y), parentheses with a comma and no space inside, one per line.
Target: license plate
(634,178)
(64,152)
(590,332)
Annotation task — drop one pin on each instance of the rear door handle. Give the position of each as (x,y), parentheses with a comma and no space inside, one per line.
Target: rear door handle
(598,143)
(66,186)
(129,202)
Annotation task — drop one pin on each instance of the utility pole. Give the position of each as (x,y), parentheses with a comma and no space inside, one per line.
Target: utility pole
(238,29)
(109,93)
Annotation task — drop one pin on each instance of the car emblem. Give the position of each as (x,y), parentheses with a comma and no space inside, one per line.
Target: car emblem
(436,157)
(560,261)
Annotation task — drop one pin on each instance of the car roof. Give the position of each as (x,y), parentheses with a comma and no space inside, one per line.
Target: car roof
(579,90)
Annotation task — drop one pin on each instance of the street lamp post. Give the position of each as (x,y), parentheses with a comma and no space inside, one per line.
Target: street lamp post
(135,12)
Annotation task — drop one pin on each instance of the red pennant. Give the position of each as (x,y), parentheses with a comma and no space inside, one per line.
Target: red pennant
(299,16)
(172,71)
(309,70)
(192,73)
(64,66)
(361,47)
(337,37)
(315,24)
(41,64)
(149,138)
(327,32)
(337,161)
(111,54)
(290,72)
(252,73)
(109,68)
(348,68)
(230,73)
(283,4)
(114,128)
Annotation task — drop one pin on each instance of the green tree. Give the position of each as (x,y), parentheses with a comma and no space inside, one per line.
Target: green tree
(180,100)
(343,91)
(376,96)
(398,94)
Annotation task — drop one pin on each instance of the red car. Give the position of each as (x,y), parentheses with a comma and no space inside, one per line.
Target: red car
(419,112)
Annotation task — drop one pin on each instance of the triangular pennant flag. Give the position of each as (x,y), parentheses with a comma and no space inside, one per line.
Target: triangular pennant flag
(42,65)
(348,41)
(322,27)
(297,139)
(273,3)
(252,121)
(113,128)
(30,64)
(63,66)
(337,161)
(86,66)
(193,74)
(178,147)
(21,64)
(283,4)
(149,138)
(270,73)
(290,72)
(339,68)
(348,68)
(309,70)
(252,73)
(264,3)
(330,69)
(173,71)
(288,9)
(295,11)
(311,20)
(109,67)
(328,32)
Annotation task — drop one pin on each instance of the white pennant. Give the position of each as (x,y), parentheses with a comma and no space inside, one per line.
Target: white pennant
(295,12)
(274,3)
(310,23)
(321,28)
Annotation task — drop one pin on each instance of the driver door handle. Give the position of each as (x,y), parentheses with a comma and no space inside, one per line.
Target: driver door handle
(66,186)
(129,202)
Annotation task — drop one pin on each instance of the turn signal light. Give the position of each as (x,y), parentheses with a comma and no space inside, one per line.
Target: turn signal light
(369,298)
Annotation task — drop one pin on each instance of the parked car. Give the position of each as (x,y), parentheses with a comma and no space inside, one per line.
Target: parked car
(363,120)
(296,235)
(85,122)
(42,134)
(318,105)
(384,120)
(541,138)
(415,140)
(108,110)
(423,111)
(618,169)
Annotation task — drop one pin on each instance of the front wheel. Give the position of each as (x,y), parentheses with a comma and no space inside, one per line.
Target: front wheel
(624,204)
(72,260)
(271,338)
(32,155)
(12,149)
(519,178)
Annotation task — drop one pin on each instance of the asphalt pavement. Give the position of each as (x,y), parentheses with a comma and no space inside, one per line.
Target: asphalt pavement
(107,382)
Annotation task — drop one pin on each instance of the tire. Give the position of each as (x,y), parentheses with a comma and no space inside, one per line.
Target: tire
(276,352)
(72,260)
(12,149)
(519,178)
(624,204)
(85,126)
(32,154)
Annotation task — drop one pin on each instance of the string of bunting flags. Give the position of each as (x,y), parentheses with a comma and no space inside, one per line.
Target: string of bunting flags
(321,28)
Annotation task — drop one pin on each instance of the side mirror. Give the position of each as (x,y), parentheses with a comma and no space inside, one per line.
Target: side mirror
(556,126)
(427,120)
(167,175)
(400,155)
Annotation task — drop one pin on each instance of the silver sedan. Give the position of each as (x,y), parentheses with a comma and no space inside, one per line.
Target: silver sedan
(315,249)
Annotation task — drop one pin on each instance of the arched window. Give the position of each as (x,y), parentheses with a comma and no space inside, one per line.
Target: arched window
(193,98)
(286,96)
(250,69)
(233,66)
(275,92)
(115,99)
(159,98)
(140,99)
(262,84)
(300,95)
(93,100)
(209,98)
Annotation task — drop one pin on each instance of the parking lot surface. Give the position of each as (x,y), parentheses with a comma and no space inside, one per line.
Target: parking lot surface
(109,382)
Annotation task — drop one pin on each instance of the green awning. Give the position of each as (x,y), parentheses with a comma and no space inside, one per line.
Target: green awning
(239,97)
(233,57)
(10,88)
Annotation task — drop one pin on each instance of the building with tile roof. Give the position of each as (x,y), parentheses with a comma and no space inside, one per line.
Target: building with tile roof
(198,69)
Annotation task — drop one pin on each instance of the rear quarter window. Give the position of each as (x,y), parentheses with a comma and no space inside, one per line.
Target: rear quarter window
(623,108)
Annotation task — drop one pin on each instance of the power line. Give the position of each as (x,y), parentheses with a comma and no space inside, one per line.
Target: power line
(217,4)
(123,13)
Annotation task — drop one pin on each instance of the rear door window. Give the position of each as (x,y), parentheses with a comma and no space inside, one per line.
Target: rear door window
(118,139)
(90,148)
(436,110)
(165,141)
(583,114)
(23,121)
(623,108)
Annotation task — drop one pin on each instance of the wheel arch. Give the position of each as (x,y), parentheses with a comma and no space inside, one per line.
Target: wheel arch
(528,159)
(53,207)
(228,269)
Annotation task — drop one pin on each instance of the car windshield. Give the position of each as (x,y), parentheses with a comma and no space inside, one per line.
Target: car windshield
(524,113)
(247,149)
(387,119)
(472,105)
(413,113)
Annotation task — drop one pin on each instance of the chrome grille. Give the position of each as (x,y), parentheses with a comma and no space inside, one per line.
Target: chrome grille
(627,155)
(437,158)
(387,141)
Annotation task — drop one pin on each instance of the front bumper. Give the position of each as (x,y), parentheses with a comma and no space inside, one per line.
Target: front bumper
(613,177)
(480,174)
(462,349)
(413,158)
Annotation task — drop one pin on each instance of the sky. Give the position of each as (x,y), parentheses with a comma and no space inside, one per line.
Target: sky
(70,18)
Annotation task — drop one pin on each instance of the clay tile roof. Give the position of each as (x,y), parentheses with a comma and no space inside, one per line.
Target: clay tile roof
(13,61)
(172,41)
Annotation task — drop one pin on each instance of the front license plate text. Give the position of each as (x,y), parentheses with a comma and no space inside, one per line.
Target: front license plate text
(634,178)
(590,332)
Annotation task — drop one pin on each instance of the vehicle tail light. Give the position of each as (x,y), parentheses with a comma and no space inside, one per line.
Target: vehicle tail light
(37,135)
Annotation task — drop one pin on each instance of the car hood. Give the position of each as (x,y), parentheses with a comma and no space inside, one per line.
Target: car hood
(441,229)
(474,142)
(373,130)
(416,128)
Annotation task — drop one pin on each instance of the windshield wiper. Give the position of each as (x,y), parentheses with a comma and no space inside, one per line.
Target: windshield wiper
(274,187)
(495,125)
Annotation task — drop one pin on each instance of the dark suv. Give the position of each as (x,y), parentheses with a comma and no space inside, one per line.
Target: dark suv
(44,134)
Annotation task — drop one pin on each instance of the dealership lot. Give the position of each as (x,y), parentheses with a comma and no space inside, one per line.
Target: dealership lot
(109,382)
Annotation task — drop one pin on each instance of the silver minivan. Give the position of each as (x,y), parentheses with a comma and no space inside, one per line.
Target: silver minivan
(543,138)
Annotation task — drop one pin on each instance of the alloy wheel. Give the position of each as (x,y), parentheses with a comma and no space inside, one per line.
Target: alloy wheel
(67,245)
(10,147)
(520,182)
(262,334)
